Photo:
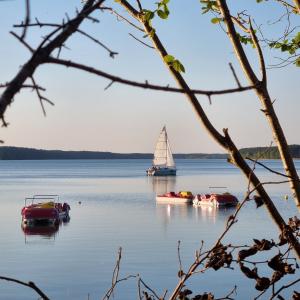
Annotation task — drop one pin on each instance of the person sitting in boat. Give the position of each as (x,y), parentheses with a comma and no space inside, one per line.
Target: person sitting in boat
(66,207)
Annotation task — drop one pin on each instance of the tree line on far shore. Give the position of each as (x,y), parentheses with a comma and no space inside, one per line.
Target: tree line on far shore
(20,153)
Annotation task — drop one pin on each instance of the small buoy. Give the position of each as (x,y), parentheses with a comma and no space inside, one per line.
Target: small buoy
(79,202)
(286,197)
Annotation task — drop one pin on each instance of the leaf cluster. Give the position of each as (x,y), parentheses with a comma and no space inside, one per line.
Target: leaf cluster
(290,46)
(219,258)
(277,263)
(162,11)
(209,5)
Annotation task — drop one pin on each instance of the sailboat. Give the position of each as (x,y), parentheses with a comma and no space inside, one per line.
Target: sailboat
(163,163)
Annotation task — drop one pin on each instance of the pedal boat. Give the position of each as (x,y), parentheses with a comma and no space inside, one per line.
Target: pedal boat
(173,198)
(44,210)
(215,200)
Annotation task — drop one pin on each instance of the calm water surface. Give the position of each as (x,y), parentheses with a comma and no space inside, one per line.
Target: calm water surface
(118,208)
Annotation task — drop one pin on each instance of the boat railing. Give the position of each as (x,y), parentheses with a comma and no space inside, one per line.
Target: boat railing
(34,198)
(218,189)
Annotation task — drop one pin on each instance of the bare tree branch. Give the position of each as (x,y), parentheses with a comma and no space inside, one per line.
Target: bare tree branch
(68,63)
(43,52)
(30,284)
(263,94)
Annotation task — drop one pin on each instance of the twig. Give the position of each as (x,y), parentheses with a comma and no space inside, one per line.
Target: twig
(180,273)
(30,284)
(111,53)
(109,85)
(259,53)
(41,98)
(60,26)
(24,86)
(121,18)
(148,288)
(139,5)
(27,19)
(22,41)
(285,287)
(141,41)
(234,75)
(233,291)
(115,277)
(267,168)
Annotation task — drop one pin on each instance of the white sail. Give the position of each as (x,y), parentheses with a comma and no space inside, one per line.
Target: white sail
(163,155)
(170,160)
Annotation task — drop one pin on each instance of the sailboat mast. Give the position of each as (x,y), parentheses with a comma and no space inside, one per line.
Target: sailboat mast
(166,146)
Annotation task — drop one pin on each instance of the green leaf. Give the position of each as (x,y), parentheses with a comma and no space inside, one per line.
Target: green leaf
(162,14)
(216,20)
(169,58)
(292,51)
(297,62)
(152,32)
(177,65)
(148,15)
(272,44)
(297,39)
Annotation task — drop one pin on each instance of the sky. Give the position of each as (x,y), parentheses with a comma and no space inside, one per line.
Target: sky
(126,119)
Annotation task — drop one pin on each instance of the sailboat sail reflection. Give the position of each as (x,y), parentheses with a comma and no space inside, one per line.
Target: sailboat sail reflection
(163,184)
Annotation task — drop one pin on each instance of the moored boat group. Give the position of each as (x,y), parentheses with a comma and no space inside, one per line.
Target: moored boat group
(213,199)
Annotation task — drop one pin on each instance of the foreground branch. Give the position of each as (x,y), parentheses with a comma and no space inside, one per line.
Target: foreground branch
(43,52)
(30,284)
(263,94)
(113,78)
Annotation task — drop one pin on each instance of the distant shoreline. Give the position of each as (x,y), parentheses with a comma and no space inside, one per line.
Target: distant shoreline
(21,153)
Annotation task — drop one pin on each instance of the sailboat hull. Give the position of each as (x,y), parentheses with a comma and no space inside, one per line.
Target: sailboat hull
(161,172)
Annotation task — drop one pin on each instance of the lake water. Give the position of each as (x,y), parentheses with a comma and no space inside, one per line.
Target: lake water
(118,209)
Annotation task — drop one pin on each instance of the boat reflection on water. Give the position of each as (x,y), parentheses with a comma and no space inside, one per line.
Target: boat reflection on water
(203,214)
(39,232)
(162,184)
(212,213)
(173,212)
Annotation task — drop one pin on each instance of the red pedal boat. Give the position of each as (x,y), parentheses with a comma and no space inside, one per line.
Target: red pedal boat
(216,200)
(44,209)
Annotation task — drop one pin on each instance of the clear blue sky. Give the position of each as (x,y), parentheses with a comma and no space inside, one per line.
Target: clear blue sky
(126,119)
